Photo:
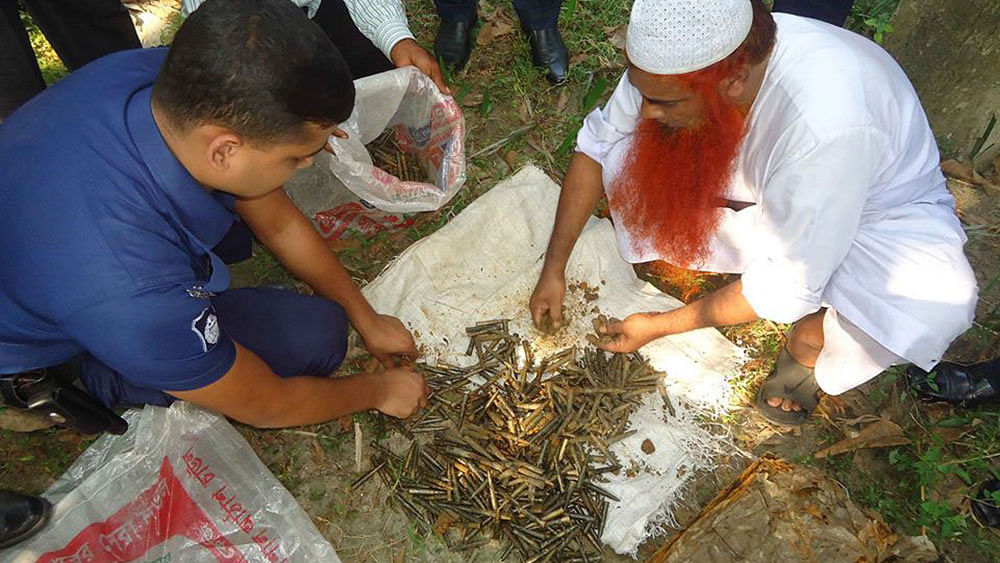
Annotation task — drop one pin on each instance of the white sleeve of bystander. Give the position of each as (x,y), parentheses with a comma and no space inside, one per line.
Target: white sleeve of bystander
(381,21)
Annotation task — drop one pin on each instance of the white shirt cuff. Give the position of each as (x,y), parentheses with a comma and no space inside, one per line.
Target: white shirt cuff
(388,34)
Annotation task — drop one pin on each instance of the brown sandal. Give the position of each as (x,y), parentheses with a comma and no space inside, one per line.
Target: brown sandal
(792,381)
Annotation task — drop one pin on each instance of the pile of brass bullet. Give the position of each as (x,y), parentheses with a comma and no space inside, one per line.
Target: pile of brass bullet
(514,450)
(387,155)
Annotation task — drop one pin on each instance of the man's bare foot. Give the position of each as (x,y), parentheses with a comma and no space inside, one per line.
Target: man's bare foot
(804,345)
(785,404)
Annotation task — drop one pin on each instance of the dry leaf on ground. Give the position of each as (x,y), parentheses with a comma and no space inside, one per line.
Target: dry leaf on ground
(472,99)
(496,25)
(948,435)
(563,100)
(958,170)
(346,423)
(878,435)
(16,420)
(616,35)
(318,456)
(776,511)
(510,159)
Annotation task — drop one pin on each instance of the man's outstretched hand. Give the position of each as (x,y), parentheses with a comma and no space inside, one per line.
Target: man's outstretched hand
(387,337)
(631,334)
(408,53)
(401,392)
(546,301)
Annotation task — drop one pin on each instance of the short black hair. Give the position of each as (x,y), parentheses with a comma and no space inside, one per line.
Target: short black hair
(258,67)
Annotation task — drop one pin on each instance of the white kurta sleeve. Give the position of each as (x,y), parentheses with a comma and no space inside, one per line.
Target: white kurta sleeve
(811,209)
(381,21)
(604,127)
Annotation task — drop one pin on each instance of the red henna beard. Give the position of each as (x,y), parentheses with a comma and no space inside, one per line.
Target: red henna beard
(672,181)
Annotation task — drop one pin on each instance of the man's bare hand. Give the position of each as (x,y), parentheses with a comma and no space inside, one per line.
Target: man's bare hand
(547,300)
(408,53)
(386,337)
(401,392)
(631,334)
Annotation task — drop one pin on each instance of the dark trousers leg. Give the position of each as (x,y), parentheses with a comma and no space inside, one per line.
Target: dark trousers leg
(362,56)
(535,14)
(456,10)
(538,14)
(294,334)
(830,11)
(79,31)
(20,78)
(83,30)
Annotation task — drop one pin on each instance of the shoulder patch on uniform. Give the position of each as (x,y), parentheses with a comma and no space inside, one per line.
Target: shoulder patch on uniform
(206,326)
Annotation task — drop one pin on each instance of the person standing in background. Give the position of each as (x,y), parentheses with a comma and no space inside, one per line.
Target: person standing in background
(79,31)
(372,35)
(539,22)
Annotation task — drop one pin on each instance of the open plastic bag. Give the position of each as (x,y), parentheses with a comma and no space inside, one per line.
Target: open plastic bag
(180,485)
(332,208)
(428,126)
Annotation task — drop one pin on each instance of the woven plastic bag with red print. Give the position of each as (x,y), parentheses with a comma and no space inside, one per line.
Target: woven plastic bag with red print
(180,485)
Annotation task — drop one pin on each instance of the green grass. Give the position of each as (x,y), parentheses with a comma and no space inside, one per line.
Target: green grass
(927,484)
(48,62)
(872,18)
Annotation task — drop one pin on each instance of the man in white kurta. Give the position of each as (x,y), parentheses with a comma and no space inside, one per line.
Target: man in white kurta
(842,205)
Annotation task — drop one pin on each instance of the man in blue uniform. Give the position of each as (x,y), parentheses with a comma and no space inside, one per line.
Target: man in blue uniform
(126,187)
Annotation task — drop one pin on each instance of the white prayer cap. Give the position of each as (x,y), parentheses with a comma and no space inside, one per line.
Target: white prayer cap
(680,36)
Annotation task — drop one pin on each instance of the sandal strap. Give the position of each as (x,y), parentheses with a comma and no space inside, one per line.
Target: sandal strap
(792,381)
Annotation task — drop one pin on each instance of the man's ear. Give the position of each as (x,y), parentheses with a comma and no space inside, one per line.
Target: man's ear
(734,87)
(223,146)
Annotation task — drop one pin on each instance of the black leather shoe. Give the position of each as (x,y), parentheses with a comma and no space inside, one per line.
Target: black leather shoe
(963,385)
(985,507)
(453,42)
(21,516)
(549,52)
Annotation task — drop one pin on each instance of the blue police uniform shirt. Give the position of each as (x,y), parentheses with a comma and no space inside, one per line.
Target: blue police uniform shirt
(105,238)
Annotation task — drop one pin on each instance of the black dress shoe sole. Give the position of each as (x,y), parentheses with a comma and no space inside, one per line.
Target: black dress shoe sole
(34,529)
(554,80)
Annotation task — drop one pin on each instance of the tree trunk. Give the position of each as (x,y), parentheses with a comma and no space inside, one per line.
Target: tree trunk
(950,49)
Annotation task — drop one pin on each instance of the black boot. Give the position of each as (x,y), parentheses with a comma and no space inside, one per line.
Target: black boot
(962,385)
(453,43)
(21,516)
(549,52)
(985,508)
